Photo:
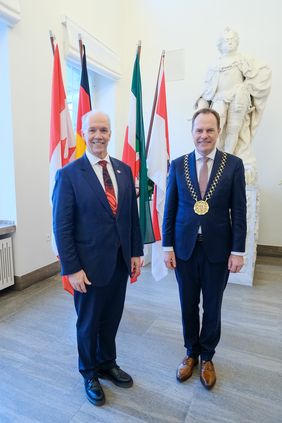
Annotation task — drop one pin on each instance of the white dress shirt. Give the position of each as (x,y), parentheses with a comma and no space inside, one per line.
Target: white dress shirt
(199,163)
(94,161)
(199,156)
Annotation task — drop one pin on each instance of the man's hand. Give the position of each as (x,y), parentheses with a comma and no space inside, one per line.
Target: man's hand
(79,281)
(135,267)
(235,263)
(169,259)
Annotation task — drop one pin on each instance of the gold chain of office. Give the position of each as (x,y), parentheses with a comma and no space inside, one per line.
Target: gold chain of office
(201,207)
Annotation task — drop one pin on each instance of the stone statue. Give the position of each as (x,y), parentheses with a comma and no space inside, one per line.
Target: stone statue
(237,87)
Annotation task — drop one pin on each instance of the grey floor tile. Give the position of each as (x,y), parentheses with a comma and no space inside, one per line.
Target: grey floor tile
(39,381)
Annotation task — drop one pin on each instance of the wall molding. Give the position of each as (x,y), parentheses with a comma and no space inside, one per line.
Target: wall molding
(10,12)
(24,281)
(100,58)
(269,251)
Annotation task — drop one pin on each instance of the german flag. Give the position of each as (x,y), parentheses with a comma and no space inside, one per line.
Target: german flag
(84,106)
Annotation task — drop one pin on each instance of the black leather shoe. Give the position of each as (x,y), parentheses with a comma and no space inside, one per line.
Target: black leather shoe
(117,376)
(94,391)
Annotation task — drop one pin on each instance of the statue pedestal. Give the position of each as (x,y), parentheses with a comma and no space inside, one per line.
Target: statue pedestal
(246,276)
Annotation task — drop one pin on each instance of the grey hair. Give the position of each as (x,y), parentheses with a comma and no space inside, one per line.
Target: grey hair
(85,119)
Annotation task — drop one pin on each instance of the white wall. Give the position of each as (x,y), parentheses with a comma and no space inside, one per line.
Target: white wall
(191,25)
(195,26)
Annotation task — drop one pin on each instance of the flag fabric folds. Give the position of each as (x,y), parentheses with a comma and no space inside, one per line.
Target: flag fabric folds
(134,153)
(158,163)
(84,106)
(62,142)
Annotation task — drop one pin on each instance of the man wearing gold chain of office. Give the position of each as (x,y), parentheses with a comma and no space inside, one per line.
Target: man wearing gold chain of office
(204,233)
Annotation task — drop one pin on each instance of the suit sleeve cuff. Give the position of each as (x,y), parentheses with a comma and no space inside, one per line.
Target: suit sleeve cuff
(234,253)
(167,248)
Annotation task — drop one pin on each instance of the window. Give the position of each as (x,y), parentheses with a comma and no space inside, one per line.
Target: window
(7,177)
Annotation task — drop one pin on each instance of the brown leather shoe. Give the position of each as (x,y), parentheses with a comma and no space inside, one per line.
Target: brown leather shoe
(185,369)
(208,375)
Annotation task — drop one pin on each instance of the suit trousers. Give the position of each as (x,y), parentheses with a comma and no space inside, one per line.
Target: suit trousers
(194,276)
(99,312)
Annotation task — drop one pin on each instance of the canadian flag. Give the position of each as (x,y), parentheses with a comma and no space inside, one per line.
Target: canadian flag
(62,141)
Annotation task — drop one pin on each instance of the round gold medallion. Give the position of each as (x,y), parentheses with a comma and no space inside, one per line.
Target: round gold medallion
(201,207)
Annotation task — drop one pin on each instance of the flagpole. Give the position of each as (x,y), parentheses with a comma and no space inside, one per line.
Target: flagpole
(139,45)
(52,40)
(154,106)
(80,47)
(139,49)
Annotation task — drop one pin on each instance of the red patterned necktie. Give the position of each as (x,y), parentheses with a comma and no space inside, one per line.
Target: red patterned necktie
(203,176)
(109,189)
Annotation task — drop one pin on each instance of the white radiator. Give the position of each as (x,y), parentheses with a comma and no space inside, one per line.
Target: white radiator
(6,263)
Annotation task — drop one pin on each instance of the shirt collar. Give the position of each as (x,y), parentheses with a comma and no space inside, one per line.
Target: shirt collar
(94,159)
(211,155)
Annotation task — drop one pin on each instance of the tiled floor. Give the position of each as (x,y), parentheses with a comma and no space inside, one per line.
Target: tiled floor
(39,381)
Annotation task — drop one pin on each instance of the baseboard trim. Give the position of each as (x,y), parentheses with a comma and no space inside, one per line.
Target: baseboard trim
(24,281)
(269,251)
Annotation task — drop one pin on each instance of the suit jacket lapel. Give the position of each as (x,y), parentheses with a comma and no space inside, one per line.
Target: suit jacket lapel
(92,179)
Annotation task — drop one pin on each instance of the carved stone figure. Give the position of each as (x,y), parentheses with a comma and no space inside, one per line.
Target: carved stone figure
(237,87)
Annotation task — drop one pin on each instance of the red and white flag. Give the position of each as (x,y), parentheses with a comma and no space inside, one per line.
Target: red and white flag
(158,164)
(62,141)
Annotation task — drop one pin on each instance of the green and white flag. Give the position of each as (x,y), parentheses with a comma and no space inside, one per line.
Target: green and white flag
(134,153)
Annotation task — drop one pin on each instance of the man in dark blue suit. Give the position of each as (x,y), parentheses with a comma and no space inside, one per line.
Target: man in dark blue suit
(204,233)
(97,232)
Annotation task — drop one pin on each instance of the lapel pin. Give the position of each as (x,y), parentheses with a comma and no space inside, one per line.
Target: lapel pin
(118,171)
